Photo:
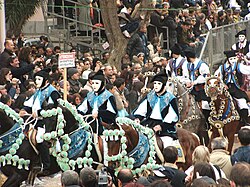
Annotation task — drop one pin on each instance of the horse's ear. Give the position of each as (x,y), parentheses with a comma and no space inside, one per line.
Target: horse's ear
(169,73)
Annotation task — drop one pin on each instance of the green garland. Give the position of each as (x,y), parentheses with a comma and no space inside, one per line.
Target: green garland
(62,156)
(125,161)
(11,158)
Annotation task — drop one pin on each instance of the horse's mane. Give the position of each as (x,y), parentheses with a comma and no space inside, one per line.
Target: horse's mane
(71,122)
(5,122)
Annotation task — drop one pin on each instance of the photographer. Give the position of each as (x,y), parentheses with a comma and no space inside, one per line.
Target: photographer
(89,178)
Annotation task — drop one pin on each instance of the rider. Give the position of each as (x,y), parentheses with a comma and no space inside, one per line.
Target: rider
(198,72)
(178,64)
(231,74)
(242,45)
(159,110)
(45,94)
(100,103)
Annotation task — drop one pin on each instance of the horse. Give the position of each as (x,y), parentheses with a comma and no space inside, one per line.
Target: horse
(59,160)
(224,117)
(191,117)
(16,149)
(132,144)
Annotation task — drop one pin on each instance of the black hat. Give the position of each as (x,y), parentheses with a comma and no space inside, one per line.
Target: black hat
(230,53)
(242,32)
(190,53)
(161,77)
(98,76)
(43,73)
(176,49)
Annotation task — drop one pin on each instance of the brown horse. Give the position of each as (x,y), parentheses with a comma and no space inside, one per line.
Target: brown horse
(191,117)
(224,117)
(136,144)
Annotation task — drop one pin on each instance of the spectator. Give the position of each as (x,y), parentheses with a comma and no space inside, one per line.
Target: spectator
(124,177)
(242,154)
(200,155)
(19,72)
(96,64)
(240,175)
(3,90)
(45,42)
(221,18)
(108,72)
(154,48)
(121,102)
(203,169)
(219,156)
(138,43)
(6,99)
(171,21)
(57,49)
(184,36)
(105,57)
(88,177)
(75,84)
(86,69)
(12,84)
(70,179)
(7,52)
(170,170)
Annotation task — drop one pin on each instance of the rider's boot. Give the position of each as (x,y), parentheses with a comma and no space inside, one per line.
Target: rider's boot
(244,116)
(45,157)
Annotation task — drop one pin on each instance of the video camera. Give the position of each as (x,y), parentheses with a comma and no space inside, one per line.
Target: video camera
(103,178)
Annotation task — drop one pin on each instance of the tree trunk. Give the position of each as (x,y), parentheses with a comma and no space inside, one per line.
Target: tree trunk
(117,41)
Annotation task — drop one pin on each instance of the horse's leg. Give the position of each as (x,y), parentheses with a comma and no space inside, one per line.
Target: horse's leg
(14,181)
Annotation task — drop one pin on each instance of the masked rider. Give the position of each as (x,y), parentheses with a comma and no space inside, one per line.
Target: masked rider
(231,74)
(45,94)
(100,103)
(159,110)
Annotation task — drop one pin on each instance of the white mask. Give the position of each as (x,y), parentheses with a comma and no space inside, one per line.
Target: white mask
(38,81)
(242,38)
(157,86)
(96,84)
(232,60)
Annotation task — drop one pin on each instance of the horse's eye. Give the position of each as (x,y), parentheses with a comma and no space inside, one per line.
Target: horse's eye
(170,84)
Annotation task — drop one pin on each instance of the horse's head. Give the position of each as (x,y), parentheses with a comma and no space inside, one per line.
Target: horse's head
(214,87)
(118,138)
(51,122)
(171,86)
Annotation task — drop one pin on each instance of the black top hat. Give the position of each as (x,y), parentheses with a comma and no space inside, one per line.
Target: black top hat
(43,73)
(190,53)
(242,32)
(98,76)
(230,53)
(161,77)
(176,49)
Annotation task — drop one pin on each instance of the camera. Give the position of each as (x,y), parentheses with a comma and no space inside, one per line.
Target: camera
(103,178)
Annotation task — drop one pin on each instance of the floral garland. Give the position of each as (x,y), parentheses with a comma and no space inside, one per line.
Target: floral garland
(218,123)
(11,157)
(180,104)
(125,161)
(62,156)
